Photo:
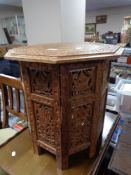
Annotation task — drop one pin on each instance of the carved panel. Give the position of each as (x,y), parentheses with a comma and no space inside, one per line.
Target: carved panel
(45,123)
(69,119)
(80,124)
(83,81)
(41,82)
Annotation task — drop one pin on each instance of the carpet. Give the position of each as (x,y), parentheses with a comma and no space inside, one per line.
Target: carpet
(16,125)
(6,134)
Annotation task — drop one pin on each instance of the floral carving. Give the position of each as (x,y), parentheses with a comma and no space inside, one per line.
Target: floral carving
(41,82)
(45,123)
(83,81)
(80,124)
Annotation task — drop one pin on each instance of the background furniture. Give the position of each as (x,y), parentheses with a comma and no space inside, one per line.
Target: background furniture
(126,30)
(12,98)
(65,88)
(120,72)
(15,26)
(8,67)
(121,158)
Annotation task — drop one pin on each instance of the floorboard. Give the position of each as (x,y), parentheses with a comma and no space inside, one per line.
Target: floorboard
(27,163)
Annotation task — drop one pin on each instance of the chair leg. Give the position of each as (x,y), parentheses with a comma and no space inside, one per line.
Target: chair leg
(5,103)
(5,119)
(0,111)
(0,116)
(0,124)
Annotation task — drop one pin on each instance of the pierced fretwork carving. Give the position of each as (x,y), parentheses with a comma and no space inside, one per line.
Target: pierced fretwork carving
(41,82)
(83,81)
(65,106)
(45,123)
(79,125)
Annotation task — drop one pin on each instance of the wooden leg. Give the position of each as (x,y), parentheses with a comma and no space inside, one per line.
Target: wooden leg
(4,103)
(95,147)
(37,149)
(92,151)
(0,124)
(0,115)
(62,161)
(5,119)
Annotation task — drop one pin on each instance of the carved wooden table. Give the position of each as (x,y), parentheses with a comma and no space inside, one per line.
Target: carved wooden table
(65,89)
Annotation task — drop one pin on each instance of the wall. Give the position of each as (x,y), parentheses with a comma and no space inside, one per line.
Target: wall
(42,21)
(115,17)
(73,20)
(51,21)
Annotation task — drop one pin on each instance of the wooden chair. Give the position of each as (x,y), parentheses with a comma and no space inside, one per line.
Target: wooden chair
(11,88)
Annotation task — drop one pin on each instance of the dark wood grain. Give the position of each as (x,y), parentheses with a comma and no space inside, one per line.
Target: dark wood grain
(10,96)
(4,103)
(17,94)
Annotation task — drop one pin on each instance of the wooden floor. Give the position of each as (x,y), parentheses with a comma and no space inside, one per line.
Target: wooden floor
(27,163)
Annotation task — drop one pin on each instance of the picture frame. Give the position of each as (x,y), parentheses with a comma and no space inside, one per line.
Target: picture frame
(90,28)
(101,19)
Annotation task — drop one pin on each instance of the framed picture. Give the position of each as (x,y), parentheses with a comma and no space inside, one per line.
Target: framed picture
(90,28)
(101,19)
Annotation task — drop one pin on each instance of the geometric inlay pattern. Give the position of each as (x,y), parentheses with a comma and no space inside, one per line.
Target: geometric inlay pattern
(80,125)
(41,82)
(83,81)
(45,123)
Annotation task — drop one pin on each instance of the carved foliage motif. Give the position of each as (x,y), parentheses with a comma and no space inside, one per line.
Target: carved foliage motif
(83,81)
(41,82)
(79,125)
(45,123)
